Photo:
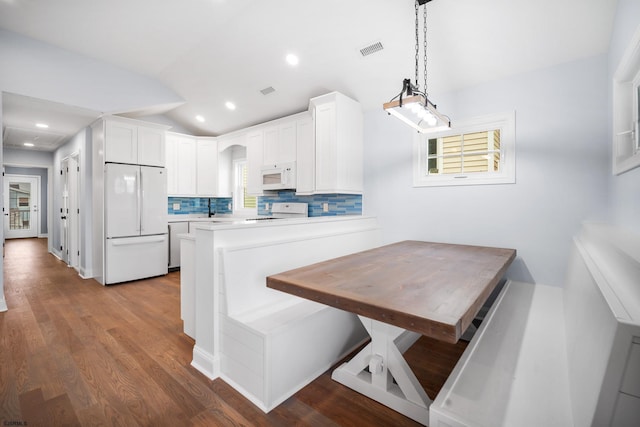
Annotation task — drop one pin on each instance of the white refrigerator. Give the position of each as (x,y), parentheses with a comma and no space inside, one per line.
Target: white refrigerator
(136,229)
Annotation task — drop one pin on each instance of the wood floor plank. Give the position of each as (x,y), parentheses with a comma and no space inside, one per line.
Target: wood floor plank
(74,352)
(32,404)
(60,412)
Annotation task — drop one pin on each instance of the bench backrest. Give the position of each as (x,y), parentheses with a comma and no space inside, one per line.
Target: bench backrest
(245,268)
(596,302)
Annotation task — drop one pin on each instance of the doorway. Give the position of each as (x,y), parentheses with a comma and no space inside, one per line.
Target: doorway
(21,196)
(70,212)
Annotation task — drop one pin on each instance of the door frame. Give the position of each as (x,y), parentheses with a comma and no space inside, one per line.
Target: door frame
(38,198)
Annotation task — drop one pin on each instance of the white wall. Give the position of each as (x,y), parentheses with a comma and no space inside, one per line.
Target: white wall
(562,169)
(34,158)
(625,188)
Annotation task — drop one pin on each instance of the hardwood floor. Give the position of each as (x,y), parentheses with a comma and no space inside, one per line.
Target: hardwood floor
(73,352)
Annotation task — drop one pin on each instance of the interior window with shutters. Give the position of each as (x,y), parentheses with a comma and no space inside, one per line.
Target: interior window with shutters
(242,202)
(478,151)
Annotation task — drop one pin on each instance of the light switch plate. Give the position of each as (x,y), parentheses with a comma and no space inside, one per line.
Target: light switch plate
(325,207)
(176,206)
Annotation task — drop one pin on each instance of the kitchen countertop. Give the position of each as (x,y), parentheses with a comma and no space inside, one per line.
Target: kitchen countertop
(201,217)
(230,223)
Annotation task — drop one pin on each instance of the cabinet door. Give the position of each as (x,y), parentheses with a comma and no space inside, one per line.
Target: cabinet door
(287,142)
(271,146)
(151,147)
(305,157)
(254,163)
(121,143)
(186,166)
(280,144)
(207,167)
(326,161)
(171,164)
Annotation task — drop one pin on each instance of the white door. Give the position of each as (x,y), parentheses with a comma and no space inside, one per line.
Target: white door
(21,200)
(74,216)
(153,190)
(122,203)
(64,212)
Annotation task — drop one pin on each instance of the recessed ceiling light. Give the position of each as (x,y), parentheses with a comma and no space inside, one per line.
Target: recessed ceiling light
(230,105)
(28,144)
(42,125)
(200,118)
(292,59)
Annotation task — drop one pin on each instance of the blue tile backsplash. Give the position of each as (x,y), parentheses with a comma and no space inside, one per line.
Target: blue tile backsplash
(199,205)
(339,204)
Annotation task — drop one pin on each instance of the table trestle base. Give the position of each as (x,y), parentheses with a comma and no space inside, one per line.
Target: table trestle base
(373,370)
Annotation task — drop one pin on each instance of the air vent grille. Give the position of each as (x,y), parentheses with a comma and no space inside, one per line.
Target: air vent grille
(372,48)
(267,90)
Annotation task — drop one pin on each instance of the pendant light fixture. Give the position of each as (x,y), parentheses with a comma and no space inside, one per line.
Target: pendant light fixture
(412,105)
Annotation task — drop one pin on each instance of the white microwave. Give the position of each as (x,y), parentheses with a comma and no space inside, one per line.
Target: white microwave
(279,177)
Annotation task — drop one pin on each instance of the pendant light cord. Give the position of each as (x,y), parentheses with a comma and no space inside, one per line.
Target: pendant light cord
(417,44)
(424,29)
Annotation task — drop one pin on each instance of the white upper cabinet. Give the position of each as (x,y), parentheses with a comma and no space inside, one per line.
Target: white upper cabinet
(127,141)
(207,167)
(280,143)
(305,156)
(151,146)
(255,161)
(121,142)
(171,164)
(338,145)
(181,164)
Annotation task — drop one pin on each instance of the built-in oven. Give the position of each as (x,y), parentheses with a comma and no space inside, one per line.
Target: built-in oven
(279,177)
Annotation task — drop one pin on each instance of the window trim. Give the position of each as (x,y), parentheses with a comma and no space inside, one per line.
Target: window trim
(505,122)
(626,83)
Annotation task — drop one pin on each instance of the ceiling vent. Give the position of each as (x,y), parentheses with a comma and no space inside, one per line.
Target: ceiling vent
(267,90)
(372,48)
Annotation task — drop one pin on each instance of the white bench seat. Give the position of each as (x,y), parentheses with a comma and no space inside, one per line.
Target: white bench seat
(273,343)
(517,357)
(549,356)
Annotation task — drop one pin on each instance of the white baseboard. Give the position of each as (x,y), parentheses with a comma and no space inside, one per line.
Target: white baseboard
(206,363)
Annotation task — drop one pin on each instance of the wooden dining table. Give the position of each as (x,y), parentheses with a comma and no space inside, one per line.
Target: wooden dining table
(400,292)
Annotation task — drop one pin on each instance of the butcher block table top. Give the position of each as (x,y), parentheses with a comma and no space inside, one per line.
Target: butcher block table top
(435,289)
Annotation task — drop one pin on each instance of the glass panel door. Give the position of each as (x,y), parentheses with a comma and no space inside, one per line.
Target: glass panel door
(21,206)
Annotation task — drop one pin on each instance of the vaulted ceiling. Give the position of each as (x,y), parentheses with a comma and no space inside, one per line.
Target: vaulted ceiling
(213,51)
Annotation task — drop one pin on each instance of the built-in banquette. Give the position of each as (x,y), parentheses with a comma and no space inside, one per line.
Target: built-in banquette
(550,356)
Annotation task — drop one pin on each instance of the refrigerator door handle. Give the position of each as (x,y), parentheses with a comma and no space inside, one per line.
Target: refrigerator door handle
(139,204)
